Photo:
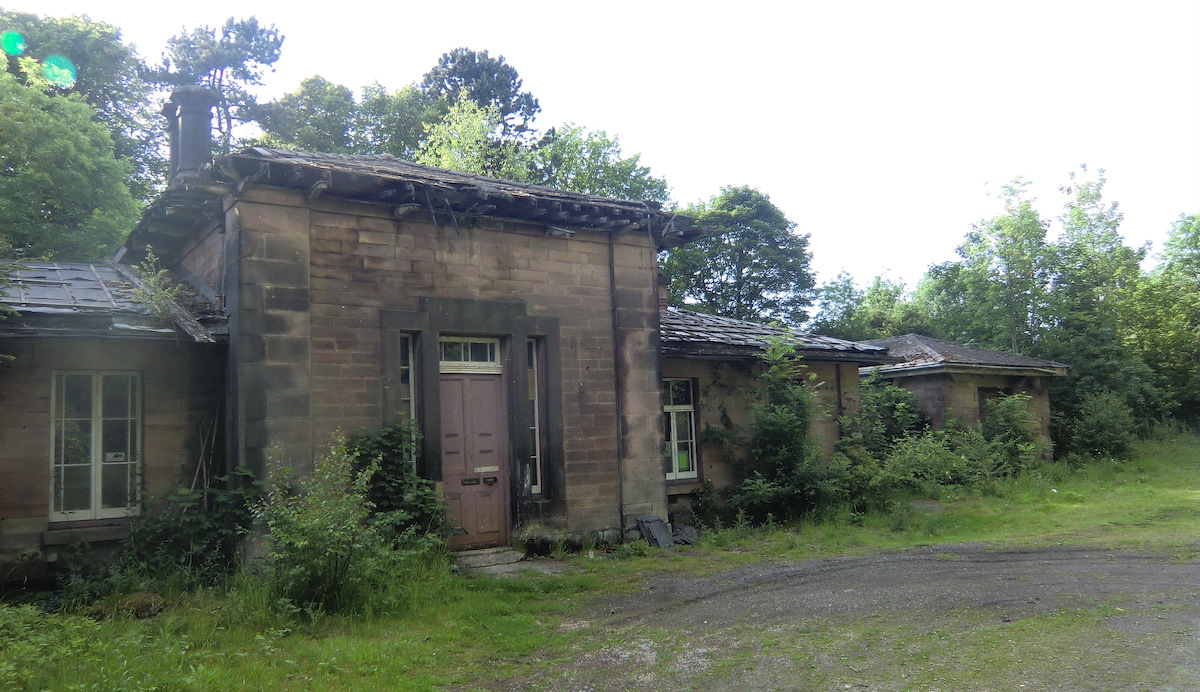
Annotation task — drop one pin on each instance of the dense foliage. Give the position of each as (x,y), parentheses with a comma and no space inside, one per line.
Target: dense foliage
(404,506)
(63,192)
(753,265)
(886,453)
(1130,336)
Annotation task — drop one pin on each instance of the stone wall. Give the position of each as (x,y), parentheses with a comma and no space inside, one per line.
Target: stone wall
(724,400)
(315,284)
(943,396)
(181,393)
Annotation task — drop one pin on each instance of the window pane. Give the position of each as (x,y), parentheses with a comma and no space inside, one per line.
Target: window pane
(683,443)
(116,441)
(452,351)
(118,396)
(677,392)
(116,485)
(74,439)
(405,350)
(683,425)
(77,396)
(685,458)
(481,352)
(682,392)
(75,490)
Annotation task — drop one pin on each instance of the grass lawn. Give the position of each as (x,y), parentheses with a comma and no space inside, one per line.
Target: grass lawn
(473,632)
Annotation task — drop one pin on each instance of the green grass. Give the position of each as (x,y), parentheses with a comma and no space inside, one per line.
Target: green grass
(474,632)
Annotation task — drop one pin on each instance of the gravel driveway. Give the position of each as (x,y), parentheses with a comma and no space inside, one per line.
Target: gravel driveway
(1119,619)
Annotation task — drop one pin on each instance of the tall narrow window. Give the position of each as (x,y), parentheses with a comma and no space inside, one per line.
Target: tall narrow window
(406,376)
(407,391)
(95,450)
(679,460)
(535,417)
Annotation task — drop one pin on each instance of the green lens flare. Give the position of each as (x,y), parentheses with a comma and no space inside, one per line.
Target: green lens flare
(12,43)
(59,71)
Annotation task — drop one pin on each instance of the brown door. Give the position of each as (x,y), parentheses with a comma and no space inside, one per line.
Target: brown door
(475,459)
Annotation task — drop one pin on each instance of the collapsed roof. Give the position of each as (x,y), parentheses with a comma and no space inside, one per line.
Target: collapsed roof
(923,354)
(687,334)
(68,299)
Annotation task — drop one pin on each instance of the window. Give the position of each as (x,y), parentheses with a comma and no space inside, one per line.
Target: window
(407,393)
(407,386)
(470,355)
(95,448)
(535,417)
(679,460)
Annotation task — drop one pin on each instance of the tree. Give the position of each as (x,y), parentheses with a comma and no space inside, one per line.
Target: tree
(1076,300)
(107,75)
(1161,322)
(753,266)
(395,122)
(468,140)
(575,159)
(318,116)
(881,311)
(62,192)
(485,81)
(227,64)
(1093,280)
(995,296)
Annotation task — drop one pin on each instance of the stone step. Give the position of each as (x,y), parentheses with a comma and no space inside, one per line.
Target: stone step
(487,557)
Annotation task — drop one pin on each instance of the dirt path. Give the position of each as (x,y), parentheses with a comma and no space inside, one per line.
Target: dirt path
(936,618)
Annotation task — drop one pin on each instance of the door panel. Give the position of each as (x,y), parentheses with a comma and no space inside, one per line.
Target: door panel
(475,459)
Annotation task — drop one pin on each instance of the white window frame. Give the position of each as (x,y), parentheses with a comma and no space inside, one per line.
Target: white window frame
(490,365)
(674,445)
(96,464)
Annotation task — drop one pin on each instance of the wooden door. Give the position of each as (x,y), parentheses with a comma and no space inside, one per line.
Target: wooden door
(475,459)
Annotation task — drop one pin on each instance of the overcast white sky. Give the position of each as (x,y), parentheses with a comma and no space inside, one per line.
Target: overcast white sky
(878,127)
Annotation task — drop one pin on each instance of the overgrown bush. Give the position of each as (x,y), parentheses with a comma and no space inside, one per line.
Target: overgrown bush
(404,504)
(925,463)
(886,415)
(1105,427)
(326,555)
(191,535)
(1013,433)
(782,475)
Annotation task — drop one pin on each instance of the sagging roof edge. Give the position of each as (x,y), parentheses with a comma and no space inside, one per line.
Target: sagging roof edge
(966,369)
(447,197)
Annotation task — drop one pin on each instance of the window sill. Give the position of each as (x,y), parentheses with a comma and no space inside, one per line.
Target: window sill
(683,487)
(67,535)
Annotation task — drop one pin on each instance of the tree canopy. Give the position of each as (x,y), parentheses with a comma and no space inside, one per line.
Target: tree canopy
(228,61)
(62,191)
(318,116)
(882,310)
(465,74)
(107,74)
(573,158)
(1132,338)
(753,266)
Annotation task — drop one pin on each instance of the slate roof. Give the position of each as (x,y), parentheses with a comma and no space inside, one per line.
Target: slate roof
(450,198)
(688,334)
(923,353)
(62,298)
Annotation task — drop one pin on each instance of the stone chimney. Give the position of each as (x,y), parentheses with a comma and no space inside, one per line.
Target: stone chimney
(663,282)
(189,128)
